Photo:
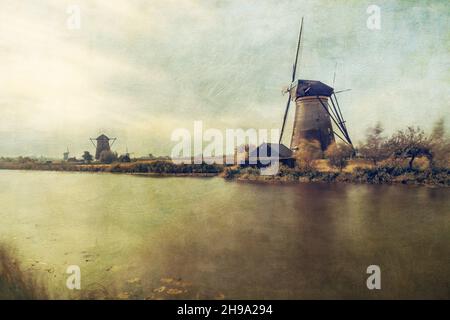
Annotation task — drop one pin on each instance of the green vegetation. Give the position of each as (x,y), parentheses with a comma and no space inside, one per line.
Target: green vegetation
(87,157)
(167,167)
(107,156)
(156,167)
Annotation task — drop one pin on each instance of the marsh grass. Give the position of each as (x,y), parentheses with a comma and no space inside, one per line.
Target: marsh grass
(15,284)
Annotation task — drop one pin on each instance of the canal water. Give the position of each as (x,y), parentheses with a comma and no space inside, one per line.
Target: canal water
(206,238)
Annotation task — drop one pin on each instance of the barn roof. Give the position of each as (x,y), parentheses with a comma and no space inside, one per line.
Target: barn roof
(306,88)
(274,150)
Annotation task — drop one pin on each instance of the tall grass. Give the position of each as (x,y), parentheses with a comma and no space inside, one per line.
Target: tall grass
(15,284)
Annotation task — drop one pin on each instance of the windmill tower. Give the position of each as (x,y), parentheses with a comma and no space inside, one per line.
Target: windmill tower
(66,154)
(313,113)
(102,144)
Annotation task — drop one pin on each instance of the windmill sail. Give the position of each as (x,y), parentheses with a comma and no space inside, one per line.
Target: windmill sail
(318,116)
(294,70)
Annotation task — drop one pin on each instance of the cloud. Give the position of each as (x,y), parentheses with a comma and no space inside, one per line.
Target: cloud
(138,69)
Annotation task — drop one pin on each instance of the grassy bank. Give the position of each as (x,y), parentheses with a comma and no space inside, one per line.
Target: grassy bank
(371,175)
(152,168)
(355,172)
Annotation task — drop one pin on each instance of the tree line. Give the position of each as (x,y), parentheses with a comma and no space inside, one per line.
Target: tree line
(402,148)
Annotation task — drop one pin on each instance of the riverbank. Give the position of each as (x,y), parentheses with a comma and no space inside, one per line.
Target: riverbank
(356,173)
(147,168)
(438,177)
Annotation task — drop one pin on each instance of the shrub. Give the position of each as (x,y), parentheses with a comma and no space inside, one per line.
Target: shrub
(87,157)
(307,152)
(338,155)
(230,172)
(107,156)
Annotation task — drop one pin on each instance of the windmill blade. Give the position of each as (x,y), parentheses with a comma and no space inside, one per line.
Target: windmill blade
(337,123)
(342,119)
(340,91)
(294,71)
(337,111)
(343,140)
(334,75)
(285,116)
(333,112)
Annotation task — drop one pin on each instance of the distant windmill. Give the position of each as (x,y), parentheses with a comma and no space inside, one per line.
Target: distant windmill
(313,113)
(128,153)
(102,144)
(126,157)
(66,155)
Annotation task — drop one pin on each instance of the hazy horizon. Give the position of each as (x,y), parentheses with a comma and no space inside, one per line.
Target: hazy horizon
(139,70)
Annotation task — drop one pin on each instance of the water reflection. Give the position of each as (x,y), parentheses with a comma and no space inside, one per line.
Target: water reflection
(138,238)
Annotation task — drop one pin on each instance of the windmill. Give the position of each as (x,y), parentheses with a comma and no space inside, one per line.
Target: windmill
(128,153)
(313,113)
(102,144)
(66,154)
(126,156)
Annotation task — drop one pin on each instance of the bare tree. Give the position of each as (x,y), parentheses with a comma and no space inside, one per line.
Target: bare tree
(410,144)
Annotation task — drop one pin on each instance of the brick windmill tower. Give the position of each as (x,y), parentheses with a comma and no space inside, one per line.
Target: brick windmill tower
(316,108)
(102,144)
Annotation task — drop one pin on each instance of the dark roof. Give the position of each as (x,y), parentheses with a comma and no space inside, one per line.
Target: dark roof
(282,152)
(102,137)
(306,88)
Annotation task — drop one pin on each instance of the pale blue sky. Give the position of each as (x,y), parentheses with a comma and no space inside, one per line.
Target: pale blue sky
(137,70)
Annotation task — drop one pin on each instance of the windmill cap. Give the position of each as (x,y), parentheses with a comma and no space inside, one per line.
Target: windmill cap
(307,88)
(102,137)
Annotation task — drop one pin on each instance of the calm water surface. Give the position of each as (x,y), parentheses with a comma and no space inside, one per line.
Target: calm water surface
(138,237)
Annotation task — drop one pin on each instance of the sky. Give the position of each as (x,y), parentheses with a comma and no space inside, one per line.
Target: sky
(138,70)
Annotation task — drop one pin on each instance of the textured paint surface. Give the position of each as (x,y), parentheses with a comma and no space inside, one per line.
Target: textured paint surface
(138,69)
